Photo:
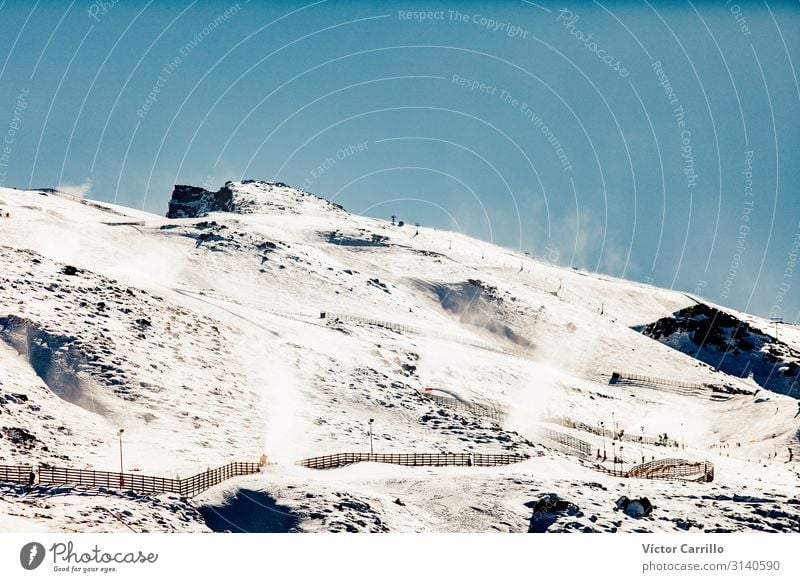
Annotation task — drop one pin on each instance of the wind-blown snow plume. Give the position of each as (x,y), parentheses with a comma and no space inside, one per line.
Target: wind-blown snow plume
(272,376)
(82,190)
(534,397)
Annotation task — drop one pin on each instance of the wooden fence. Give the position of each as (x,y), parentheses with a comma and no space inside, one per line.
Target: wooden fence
(608,433)
(191,486)
(369,321)
(575,445)
(402,327)
(718,391)
(94,479)
(699,471)
(471,407)
(15,473)
(147,484)
(625,378)
(413,460)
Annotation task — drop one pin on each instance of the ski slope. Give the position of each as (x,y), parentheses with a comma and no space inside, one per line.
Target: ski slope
(202,337)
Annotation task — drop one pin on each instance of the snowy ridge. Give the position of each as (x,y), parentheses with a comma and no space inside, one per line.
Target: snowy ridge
(201,336)
(245,197)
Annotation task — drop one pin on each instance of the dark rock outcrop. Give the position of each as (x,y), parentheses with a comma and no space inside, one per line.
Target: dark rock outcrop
(193,201)
(730,345)
(245,197)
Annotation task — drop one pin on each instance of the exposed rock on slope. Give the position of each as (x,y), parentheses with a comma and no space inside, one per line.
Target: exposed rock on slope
(192,201)
(731,345)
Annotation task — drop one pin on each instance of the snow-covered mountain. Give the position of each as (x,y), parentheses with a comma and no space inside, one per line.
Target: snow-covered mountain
(260,319)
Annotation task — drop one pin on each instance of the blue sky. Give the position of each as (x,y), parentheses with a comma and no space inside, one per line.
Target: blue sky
(657,141)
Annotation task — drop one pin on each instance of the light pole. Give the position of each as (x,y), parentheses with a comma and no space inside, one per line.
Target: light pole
(121,478)
(371,420)
(614,445)
(641,444)
(603,431)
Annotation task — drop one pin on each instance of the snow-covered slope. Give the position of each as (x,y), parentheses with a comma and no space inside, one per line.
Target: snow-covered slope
(202,337)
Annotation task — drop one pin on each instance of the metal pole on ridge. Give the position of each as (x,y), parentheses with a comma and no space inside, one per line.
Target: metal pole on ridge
(121,478)
(371,451)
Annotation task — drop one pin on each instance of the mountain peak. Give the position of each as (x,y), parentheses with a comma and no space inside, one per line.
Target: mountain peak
(245,197)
